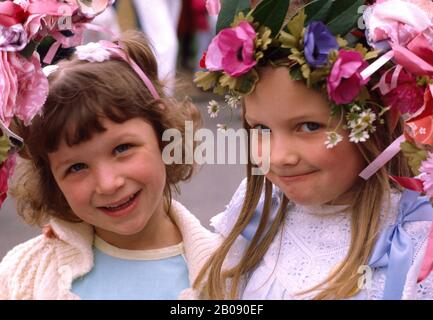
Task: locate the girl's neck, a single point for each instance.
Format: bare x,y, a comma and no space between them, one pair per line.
159,232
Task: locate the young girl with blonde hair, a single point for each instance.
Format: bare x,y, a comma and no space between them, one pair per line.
93,169
325,222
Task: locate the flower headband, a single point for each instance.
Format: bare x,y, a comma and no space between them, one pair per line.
24,24
105,50
324,45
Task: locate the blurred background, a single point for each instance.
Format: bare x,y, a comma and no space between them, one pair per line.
180,31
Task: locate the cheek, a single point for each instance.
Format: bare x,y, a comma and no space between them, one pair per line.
151,172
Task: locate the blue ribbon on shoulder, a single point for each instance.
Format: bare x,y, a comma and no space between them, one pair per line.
394,248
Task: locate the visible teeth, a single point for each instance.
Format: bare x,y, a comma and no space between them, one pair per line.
127,200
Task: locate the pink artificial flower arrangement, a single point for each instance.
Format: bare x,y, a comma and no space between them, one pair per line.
232,50
344,82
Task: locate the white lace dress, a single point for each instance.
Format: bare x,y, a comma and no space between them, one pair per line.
311,242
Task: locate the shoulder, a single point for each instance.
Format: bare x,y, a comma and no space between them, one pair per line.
199,242
224,221
31,269
20,265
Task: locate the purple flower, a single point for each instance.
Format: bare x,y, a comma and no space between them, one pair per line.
232,50
318,42
13,38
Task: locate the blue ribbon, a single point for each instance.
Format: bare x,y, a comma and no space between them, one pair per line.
394,248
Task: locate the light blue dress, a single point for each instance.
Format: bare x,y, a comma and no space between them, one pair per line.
120,274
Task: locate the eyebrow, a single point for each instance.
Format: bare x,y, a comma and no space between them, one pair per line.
294,119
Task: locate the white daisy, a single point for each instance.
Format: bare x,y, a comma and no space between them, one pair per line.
359,136
333,138
213,108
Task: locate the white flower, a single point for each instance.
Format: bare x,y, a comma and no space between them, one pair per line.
213,108
92,52
47,70
359,136
332,140
233,100
367,116
222,127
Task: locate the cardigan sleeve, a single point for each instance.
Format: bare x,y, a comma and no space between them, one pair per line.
18,268
224,221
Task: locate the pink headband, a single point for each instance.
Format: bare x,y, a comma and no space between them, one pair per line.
104,50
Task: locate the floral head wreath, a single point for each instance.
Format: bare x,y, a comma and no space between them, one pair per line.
349,50
324,45
24,24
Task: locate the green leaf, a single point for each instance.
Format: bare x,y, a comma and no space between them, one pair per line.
344,16
296,25
206,79
29,49
271,13
229,9
414,156
318,10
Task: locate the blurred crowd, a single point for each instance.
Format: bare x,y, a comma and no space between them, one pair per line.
179,30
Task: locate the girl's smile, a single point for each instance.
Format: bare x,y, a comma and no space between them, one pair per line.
123,207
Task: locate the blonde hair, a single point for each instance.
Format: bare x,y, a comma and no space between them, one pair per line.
81,95
367,202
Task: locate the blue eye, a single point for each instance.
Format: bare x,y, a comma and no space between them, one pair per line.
76,167
122,148
310,126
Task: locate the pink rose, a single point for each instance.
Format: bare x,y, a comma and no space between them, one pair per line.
407,97
23,87
6,171
345,81
232,50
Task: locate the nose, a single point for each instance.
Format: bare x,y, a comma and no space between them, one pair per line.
108,180
283,152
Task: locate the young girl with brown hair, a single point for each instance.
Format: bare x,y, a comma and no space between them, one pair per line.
93,169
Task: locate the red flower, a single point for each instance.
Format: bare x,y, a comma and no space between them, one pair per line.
203,61
407,97
11,14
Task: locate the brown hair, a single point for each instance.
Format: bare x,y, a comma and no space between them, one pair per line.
82,94
368,199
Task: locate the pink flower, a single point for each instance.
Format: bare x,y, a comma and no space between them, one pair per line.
395,20
23,87
95,7
232,50
345,81
417,58
11,14
407,97
6,171
426,176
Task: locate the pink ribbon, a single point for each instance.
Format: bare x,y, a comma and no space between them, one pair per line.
376,65
383,158
213,7
119,52
61,40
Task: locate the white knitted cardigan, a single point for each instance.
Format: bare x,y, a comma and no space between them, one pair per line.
44,268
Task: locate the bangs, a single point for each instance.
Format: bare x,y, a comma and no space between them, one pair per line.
76,106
